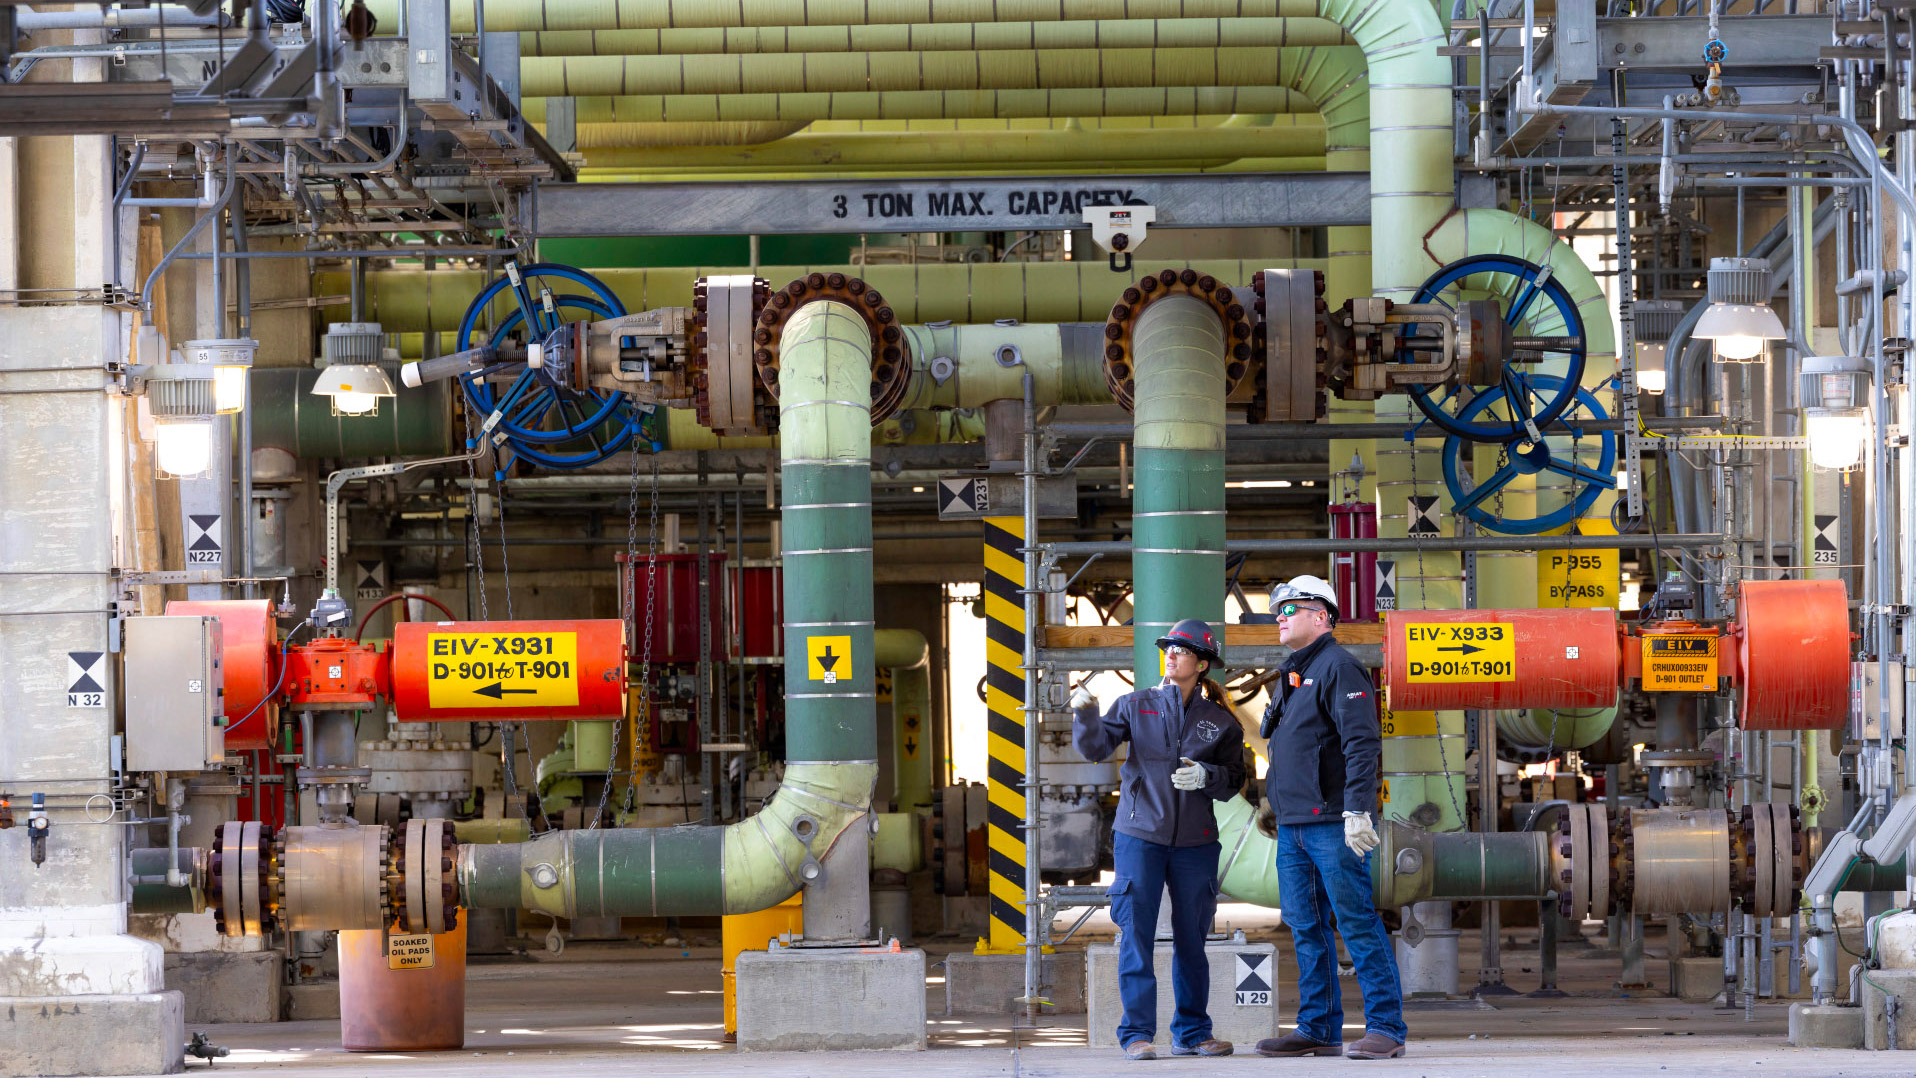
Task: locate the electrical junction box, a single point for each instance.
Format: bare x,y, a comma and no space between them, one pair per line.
175,696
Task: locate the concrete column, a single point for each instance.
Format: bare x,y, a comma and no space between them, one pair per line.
77,994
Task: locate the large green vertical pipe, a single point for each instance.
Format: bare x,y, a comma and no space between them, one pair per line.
1177,512
826,494
831,737
907,655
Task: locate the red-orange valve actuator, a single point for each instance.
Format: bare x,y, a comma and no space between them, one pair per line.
1452,660
333,673
450,671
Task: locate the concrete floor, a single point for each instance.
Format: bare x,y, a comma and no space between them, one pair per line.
629,1008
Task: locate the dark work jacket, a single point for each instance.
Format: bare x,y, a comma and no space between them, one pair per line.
1326,746
1160,729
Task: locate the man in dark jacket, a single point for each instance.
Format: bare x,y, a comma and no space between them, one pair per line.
1186,752
1325,753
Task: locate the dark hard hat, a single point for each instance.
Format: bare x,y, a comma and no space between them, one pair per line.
1193,633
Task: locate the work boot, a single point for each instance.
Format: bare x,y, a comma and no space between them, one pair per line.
1375,1046
1140,1049
1296,1044
1210,1046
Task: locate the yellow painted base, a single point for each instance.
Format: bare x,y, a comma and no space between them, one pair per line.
984,946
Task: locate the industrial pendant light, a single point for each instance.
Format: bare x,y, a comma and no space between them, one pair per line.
1739,318
349,354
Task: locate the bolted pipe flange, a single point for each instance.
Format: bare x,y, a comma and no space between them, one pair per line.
243,879
890,348
709,340
424,893
1288,336
1120,364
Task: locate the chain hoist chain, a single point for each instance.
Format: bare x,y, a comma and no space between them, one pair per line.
643,723
631,551
473,494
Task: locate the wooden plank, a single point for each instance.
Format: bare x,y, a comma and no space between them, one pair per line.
1119,636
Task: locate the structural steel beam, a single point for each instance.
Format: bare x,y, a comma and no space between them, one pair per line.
1294,200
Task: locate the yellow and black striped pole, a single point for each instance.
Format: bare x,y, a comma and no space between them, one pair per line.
1005,761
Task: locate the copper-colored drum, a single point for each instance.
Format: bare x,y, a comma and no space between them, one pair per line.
1792,641
1453,660
417,1009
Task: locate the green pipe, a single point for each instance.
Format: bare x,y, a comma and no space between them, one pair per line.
487,832
1410,864
908,656
525,15
288,415
592,746
1291,135
831,738
1177,522
1870,876
825,455
413,300
810,73
937,37
929,104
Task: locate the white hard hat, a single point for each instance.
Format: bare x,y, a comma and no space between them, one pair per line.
1305,587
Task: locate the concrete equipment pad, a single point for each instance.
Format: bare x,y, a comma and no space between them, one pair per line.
228,987
1241,1017
807,999
137,1034
1825,1026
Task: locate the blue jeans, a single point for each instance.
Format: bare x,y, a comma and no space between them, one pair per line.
1318,876
1143,870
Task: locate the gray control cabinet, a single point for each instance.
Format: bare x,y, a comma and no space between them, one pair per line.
175,699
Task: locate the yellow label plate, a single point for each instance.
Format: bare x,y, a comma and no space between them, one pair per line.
481,670
1577,578
409,951
1679,663
1451,652
828,658
1410,724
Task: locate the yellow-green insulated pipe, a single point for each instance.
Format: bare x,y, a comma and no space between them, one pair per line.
593,136
929,104
938,37
1177,508
1050,169
1066,363
1015,69
831,735
907,655
1291,134
525,15
413,300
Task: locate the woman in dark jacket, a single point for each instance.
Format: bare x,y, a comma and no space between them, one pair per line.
1186,752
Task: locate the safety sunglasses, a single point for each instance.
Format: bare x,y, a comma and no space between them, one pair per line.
1179,649
1289,610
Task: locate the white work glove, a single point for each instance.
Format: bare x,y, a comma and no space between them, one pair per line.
1081,699
1190,776
1359,835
